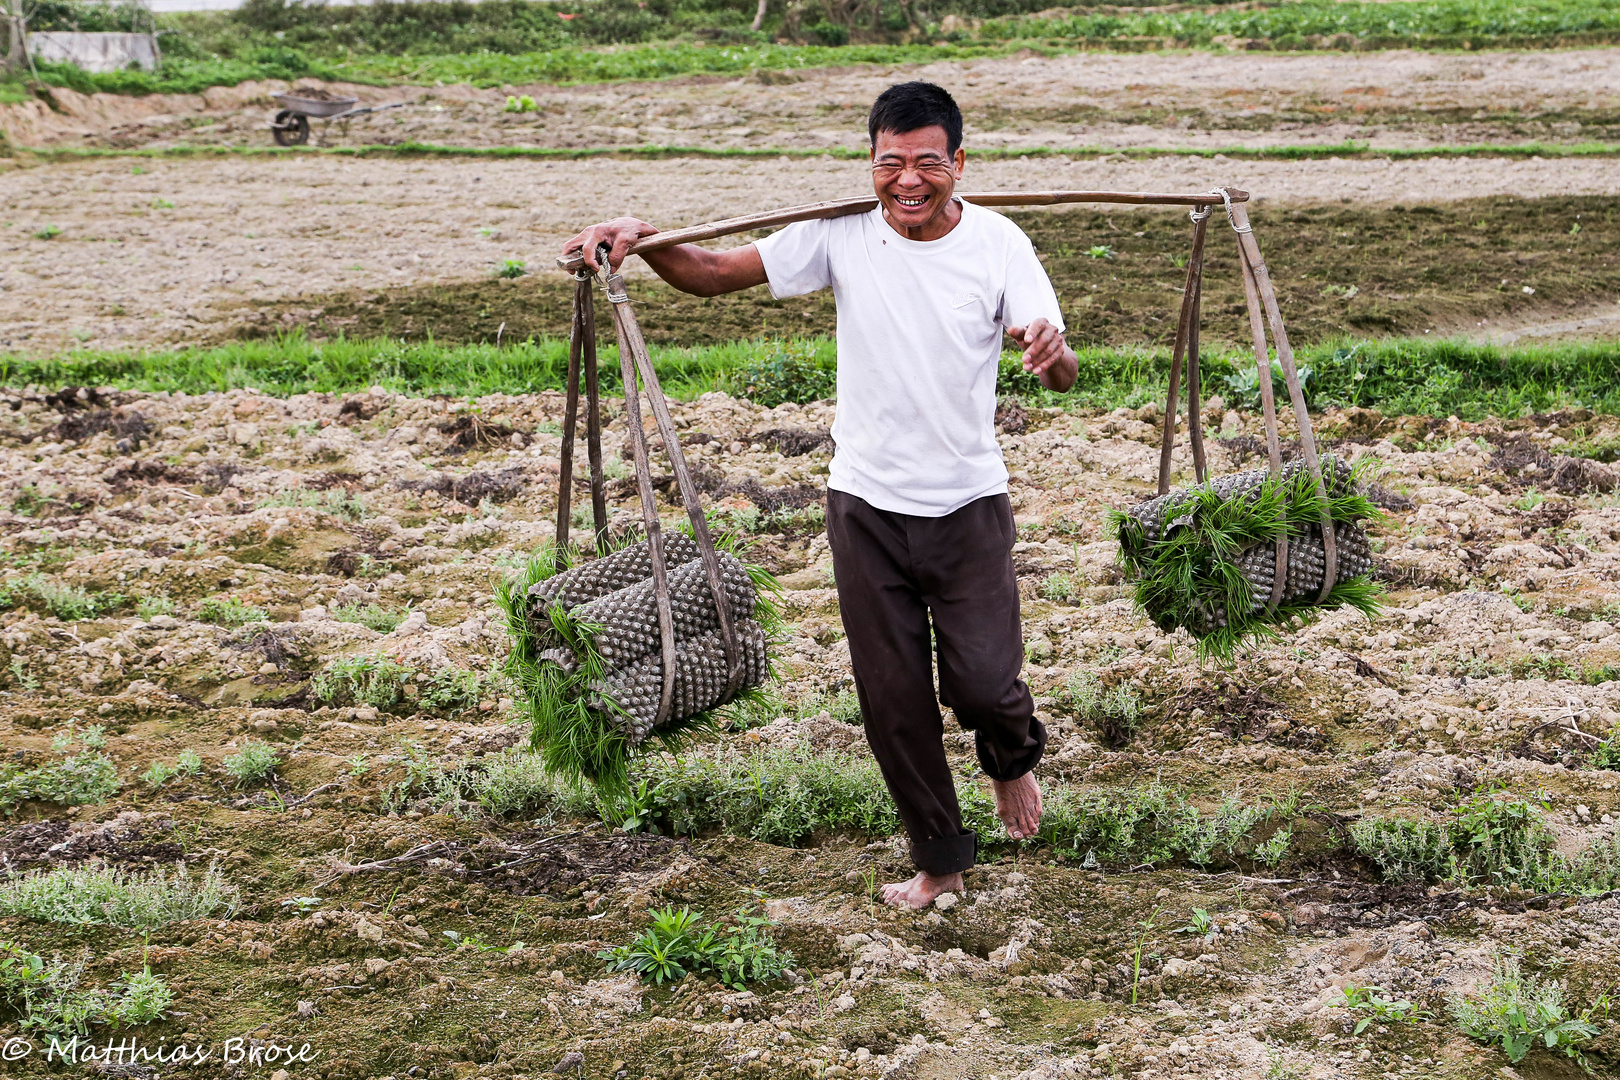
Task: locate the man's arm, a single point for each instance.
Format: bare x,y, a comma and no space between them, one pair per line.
1046,354
688,267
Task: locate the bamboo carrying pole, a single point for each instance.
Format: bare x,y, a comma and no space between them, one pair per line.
634,359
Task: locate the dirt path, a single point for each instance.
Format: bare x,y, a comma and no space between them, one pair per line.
1394,99
147,250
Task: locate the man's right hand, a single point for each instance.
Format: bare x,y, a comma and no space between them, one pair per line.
618,234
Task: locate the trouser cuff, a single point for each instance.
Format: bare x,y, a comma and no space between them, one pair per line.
994,761
947,855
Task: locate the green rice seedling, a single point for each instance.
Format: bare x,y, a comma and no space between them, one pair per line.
362,680
150,607
1518,1011
373,616
252,763
229,611
108,896
1191,577
581,732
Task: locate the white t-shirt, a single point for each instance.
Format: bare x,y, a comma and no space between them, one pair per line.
919,339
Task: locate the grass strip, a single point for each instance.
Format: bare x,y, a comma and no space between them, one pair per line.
233,47
1400,376
1297,152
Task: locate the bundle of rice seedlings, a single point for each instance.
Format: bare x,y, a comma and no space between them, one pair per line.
1204,557
587,653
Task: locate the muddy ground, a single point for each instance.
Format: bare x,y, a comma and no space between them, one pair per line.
1500,557
1199,99
175,251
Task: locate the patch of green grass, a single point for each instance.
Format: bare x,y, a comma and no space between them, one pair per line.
334,501
1519,1011
378,681
66,602
229,611
76,780
1400,376
1485,840
375,616
1117,712
150,607
253,762
108,896
736,951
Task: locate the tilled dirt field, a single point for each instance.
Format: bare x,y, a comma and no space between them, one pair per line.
160,252
1498,643
1199,99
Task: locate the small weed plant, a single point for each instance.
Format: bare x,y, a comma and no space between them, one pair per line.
230,611
1118,712
252,763
76,780
67,602
798,371
334,501
1377,1007
737,950
373,616
47,996
150,607
1518,1011
378,681
512,268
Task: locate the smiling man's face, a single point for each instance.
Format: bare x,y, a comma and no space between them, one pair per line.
914,174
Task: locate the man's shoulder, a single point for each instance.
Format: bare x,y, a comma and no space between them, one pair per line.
992,222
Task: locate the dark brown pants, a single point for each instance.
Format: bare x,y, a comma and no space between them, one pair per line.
895,571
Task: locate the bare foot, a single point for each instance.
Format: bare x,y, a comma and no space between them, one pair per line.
1018,805
921,890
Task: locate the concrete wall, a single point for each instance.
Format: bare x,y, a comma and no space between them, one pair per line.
95,52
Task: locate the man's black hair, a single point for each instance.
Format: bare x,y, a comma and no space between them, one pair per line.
909,106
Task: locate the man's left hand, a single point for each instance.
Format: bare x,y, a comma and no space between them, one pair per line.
1046,355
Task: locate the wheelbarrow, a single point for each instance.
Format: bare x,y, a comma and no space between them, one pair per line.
291,125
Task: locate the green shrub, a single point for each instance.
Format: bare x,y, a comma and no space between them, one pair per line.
1117,712
189,763
1519,1011
512,268
378,681
737,951
230,611
798,371
76,780
108,896
375,616
253,762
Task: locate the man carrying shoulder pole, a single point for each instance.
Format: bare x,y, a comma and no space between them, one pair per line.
918,518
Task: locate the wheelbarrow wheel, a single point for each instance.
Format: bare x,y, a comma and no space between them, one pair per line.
291,128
